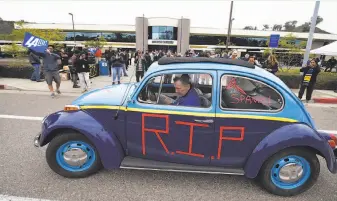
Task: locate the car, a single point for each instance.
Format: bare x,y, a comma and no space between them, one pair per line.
243,120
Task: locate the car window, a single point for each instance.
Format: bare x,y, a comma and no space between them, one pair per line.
248,94
190,90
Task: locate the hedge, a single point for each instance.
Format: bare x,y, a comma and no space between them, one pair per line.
292,78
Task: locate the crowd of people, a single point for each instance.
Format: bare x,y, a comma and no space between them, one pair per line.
119,62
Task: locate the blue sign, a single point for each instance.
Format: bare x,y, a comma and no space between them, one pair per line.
35,43
274,39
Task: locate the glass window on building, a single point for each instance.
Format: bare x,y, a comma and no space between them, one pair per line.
162,33
234,40
109,36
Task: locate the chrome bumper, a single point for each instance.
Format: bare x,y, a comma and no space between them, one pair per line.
37,140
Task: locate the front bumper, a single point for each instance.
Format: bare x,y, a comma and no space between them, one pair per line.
37,140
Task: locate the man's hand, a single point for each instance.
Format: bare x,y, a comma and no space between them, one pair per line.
48,51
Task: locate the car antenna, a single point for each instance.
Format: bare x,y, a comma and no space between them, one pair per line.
126,92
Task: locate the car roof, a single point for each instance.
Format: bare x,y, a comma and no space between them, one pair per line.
203,63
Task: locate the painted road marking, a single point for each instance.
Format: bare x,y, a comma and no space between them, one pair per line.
4,116
15,198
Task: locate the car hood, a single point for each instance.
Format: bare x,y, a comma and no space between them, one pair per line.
110,95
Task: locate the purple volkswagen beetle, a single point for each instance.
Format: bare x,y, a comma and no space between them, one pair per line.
197,115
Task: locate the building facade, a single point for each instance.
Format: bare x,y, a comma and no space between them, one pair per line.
172,34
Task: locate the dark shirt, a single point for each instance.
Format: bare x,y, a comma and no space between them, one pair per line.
310,74
34,59
190,99
82,65
118,61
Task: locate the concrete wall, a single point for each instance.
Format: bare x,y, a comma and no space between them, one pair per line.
141,33
183,35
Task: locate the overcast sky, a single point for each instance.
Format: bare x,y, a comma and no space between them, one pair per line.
202,13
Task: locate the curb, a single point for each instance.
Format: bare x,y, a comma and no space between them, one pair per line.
7,87
325,100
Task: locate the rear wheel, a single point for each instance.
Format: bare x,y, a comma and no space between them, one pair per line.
290,172
72,155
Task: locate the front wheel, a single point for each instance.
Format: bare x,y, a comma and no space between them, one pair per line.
290,172
72,155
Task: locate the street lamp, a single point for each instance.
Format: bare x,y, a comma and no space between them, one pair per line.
229,25
72,18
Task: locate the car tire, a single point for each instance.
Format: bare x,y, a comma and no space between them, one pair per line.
63,147
302,163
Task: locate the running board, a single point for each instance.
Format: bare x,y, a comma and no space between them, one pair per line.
145,164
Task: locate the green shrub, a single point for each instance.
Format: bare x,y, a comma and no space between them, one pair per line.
18,71
325,80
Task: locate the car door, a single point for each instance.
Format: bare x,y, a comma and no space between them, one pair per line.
247,111
171,133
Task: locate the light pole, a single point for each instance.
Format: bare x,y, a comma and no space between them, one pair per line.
144,34
311,34
181,33
72,18
229,25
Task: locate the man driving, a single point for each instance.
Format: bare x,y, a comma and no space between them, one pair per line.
187,95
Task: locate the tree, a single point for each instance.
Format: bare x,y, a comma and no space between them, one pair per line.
14,49
1,19
265,27
319,20
99,42
277,27
248,28
51,35
293,53
290,25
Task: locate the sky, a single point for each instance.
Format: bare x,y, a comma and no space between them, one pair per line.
201,13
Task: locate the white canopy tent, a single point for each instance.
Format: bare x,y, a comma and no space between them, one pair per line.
330,50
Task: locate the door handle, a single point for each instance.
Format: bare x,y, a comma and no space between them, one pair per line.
207,121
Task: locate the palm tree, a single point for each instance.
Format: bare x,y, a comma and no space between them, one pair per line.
265,27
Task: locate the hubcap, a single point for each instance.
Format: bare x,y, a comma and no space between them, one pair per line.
291,172
75,157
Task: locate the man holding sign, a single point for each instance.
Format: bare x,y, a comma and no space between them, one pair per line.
41,48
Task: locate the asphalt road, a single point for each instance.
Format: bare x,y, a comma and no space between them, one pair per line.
25,173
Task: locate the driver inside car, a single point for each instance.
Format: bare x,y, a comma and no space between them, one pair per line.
187,95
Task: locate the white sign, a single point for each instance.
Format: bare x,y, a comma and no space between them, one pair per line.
162,42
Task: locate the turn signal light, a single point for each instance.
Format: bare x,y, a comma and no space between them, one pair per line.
333,141
71,108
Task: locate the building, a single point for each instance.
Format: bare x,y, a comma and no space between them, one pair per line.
174,34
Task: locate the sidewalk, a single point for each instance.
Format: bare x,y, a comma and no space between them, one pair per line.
66,86
319,96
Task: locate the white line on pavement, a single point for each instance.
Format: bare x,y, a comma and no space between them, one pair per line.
4,116
15,198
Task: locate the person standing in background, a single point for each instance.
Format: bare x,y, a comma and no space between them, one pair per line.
272,64
98,55
130,57
34,60
82,69
72,69
140,65
117,67
108,55
309,79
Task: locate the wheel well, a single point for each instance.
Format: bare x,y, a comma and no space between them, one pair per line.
57,132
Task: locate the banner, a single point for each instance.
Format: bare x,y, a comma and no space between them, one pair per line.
35,43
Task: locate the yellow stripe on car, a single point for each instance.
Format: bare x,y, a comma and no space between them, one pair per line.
240,116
